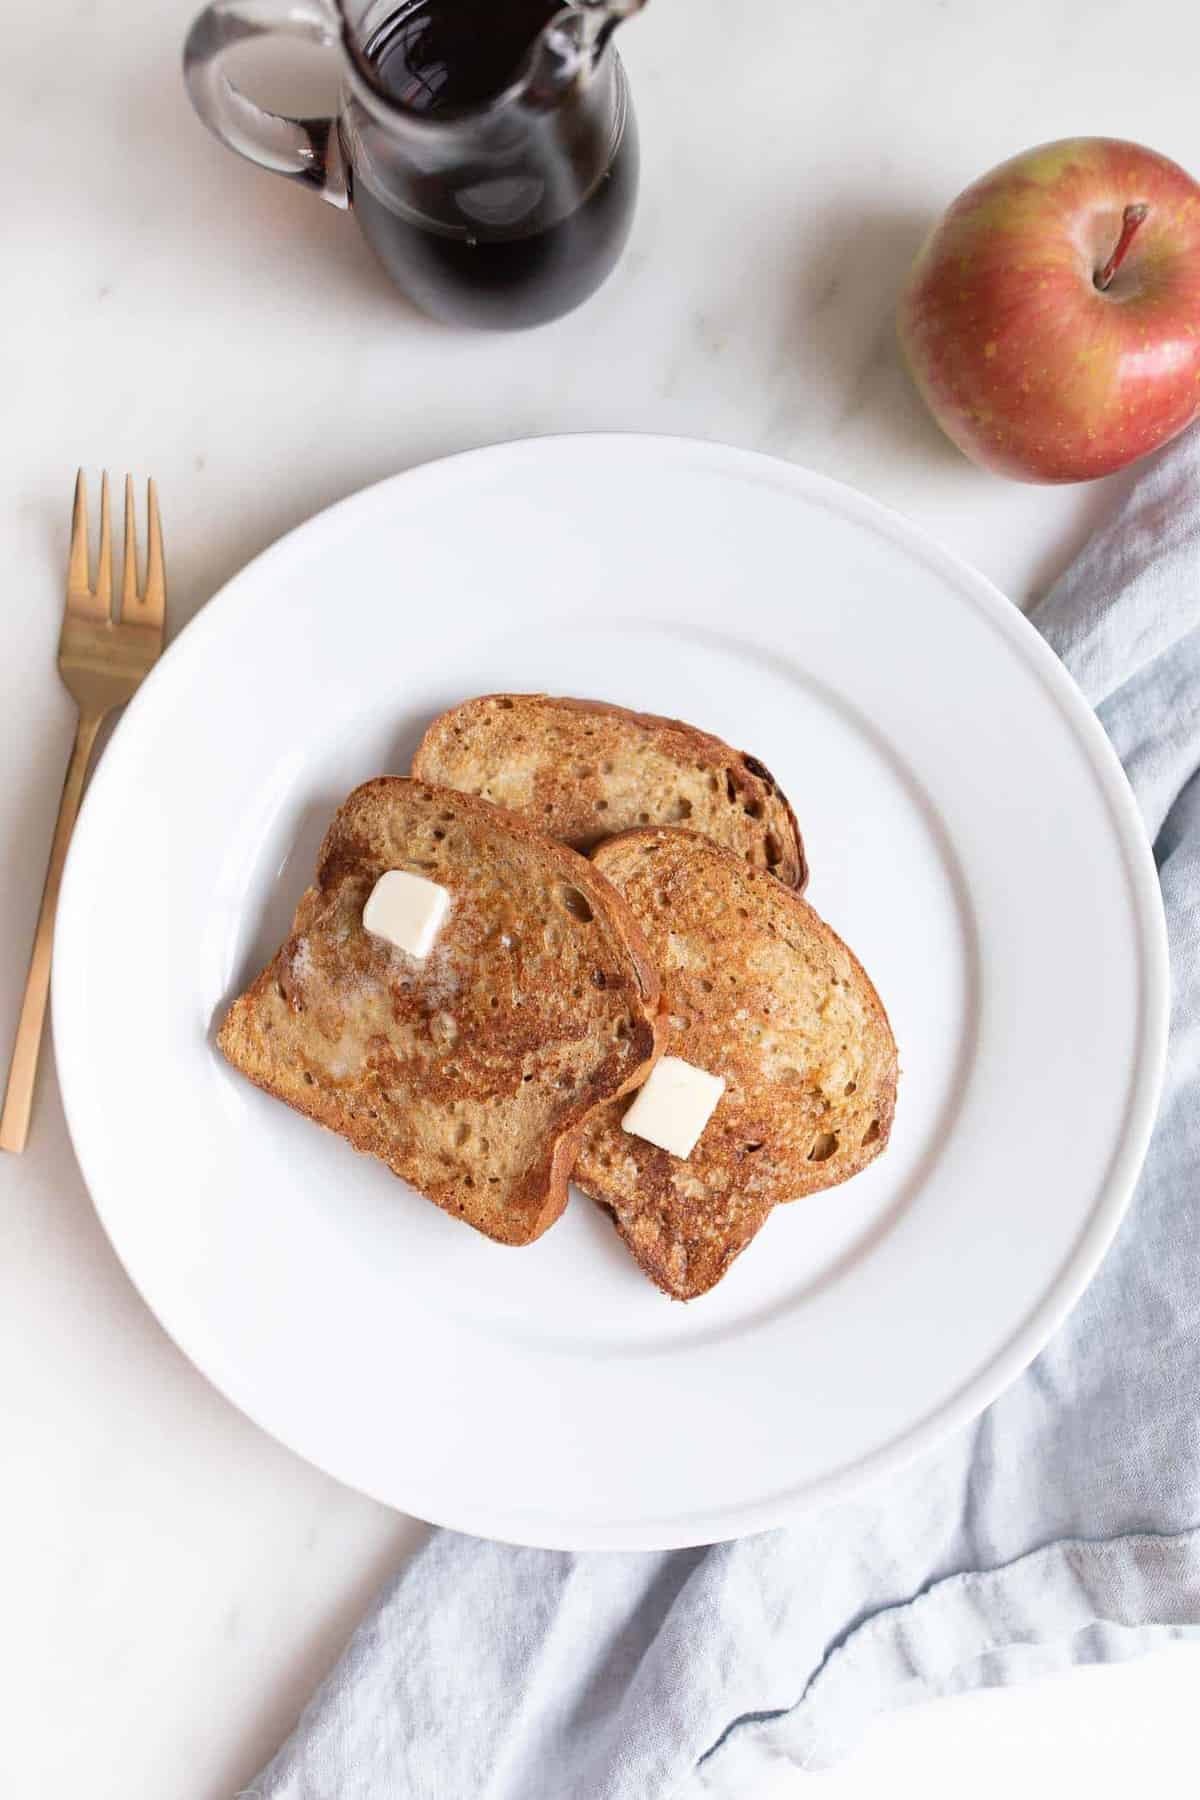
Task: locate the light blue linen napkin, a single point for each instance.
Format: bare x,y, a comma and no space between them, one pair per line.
1062,1527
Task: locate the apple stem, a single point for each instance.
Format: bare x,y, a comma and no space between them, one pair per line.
1131,220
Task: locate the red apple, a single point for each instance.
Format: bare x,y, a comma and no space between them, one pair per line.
1052,320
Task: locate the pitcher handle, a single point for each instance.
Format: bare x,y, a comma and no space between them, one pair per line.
304,150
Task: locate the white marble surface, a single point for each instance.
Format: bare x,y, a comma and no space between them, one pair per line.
174,1582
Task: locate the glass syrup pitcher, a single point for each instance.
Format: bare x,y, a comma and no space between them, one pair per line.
487,147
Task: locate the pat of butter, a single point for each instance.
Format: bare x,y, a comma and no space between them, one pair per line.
407,910
674,1105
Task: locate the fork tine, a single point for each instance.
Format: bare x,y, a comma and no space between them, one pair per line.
154,597
77,567
129,593
83,603
103,589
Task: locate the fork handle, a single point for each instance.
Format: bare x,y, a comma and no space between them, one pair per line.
18,1101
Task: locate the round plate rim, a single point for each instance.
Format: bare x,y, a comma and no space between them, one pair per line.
1028,1337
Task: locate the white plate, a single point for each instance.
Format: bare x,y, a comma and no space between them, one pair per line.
971,835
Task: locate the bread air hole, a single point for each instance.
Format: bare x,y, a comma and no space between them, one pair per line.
872,1132
774,850
505,705
851,1087
462,1134
752,808
573,902
601,806
824,1146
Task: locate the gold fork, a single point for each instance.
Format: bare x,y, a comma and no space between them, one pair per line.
102,661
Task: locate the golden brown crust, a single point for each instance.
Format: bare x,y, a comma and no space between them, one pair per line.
761,991
585,770
470,1074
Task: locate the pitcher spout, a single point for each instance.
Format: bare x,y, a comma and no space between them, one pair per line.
572,43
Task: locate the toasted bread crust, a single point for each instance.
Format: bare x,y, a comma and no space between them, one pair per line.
761,991
584,770
470,1074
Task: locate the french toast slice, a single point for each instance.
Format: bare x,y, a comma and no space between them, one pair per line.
470,1073
762,992
584,770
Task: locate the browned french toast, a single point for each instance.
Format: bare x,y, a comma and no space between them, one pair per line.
583,770
761,992
470,1073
